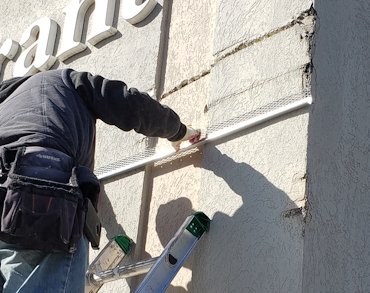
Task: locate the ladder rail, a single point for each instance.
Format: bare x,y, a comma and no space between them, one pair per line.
160,270
122,272
175,254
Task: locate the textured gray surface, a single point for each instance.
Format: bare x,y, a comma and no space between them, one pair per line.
337,246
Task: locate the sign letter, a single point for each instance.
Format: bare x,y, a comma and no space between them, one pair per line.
135,13
38,41
7,51
102,21
72,30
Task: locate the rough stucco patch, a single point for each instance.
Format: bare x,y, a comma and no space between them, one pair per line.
238,20
246,185
190,39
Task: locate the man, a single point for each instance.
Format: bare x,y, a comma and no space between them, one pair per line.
47,136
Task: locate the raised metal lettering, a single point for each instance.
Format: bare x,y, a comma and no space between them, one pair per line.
72,30
102,23
38,41
134,13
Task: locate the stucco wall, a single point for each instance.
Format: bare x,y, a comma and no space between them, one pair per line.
337,246
211,61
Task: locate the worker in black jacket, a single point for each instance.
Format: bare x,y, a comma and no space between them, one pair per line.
47,136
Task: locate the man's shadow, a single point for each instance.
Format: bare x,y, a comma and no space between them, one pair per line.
258,238
170,216
108,217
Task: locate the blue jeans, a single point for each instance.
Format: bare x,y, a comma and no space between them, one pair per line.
31,271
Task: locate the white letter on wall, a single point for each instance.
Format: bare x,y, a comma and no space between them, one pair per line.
102,21
38,41
7,51
135,13
72,31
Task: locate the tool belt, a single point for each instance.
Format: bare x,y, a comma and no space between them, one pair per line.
41,203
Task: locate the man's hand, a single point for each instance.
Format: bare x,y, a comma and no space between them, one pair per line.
192,135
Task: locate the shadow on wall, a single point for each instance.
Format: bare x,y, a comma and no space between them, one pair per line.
108,217
177,211
256,249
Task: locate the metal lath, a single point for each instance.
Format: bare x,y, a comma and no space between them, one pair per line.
259,111
214,132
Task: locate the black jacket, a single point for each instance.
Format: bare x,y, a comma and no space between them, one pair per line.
59,108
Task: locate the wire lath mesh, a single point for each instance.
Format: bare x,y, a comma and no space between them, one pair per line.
125,162
152,155
259,111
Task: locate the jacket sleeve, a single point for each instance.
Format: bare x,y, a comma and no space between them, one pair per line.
127,108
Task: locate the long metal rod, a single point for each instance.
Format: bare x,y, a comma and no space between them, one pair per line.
126,271
217,135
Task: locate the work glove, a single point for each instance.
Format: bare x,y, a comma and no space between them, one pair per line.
192,135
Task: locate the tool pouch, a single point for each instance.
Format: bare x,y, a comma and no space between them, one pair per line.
43,207
90,187
92,228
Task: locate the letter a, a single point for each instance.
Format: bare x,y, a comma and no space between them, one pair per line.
38,41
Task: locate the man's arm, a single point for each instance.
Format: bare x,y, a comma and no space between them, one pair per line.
127,108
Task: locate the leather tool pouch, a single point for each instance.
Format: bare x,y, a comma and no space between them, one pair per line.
43,207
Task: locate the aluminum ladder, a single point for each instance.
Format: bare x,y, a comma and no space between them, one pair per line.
160,270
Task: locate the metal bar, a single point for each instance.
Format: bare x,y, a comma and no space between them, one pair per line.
217,135
126,271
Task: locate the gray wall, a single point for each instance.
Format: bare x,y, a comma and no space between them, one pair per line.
337,246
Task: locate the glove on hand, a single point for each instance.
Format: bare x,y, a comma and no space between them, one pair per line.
192,135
